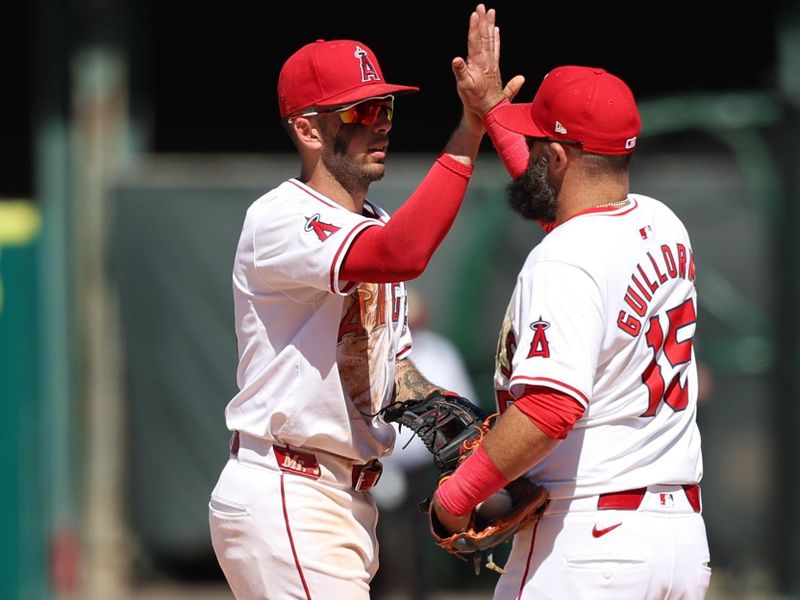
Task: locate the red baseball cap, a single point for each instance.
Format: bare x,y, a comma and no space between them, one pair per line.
578,104
332,73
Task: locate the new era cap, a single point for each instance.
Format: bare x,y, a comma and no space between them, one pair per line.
578,104
332,73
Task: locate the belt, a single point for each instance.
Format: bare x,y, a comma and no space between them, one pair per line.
319,465
657,498
632,499
365,477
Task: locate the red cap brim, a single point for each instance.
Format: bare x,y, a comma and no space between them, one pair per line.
517,118
364,92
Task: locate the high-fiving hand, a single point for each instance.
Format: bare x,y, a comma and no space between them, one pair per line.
478,79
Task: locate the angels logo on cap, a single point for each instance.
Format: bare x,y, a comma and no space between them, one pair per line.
368,72
323,74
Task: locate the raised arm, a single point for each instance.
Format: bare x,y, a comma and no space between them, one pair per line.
401,250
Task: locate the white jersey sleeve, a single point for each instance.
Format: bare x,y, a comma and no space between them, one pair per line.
299,239
564,356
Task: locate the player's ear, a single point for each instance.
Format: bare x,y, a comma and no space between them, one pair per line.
306,132
558,157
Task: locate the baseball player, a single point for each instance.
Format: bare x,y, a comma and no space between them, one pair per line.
321,324
595,376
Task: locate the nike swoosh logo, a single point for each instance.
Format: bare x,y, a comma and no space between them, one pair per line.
601,532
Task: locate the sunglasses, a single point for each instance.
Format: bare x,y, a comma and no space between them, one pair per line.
365,112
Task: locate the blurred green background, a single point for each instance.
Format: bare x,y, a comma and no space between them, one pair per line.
117,350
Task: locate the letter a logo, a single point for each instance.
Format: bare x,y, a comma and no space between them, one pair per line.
539,346
368,72
323,230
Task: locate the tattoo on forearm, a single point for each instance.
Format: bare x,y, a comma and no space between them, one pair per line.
409,382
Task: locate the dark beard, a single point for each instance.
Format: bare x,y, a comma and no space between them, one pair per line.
531,196
340,164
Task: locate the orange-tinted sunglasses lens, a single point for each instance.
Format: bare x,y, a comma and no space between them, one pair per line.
368,111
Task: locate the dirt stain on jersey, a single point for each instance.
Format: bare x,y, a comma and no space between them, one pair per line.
363,345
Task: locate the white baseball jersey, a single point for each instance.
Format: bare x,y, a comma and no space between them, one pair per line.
604,309
316,355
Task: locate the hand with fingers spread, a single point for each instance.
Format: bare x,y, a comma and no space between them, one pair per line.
478,79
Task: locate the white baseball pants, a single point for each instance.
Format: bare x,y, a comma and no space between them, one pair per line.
281,536
658,551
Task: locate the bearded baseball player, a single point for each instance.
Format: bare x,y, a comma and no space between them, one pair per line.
321,324
595,376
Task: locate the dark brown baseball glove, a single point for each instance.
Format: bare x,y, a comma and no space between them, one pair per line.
448,424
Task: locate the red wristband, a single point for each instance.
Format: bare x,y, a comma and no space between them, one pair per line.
474,480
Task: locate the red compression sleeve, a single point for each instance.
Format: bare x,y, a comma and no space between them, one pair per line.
473,481
510,146
401,249
552,411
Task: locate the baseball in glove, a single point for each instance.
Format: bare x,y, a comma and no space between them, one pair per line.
451,427
493,522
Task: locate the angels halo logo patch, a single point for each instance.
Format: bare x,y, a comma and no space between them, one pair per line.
540,345
323,230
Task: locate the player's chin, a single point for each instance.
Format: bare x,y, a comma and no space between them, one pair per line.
374,171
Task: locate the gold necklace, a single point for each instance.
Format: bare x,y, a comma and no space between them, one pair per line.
622,202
